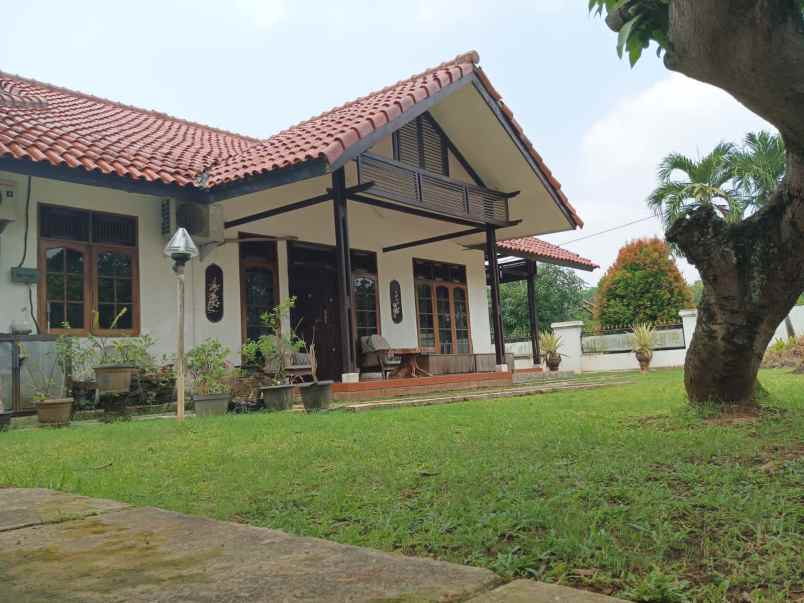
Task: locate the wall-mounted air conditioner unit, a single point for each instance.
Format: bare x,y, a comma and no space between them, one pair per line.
203,222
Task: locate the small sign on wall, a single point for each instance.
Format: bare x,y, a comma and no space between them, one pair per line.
213,293
396,302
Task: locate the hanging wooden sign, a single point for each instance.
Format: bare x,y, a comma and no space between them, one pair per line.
213,293
396,302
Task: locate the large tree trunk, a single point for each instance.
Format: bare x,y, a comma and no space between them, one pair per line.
753,272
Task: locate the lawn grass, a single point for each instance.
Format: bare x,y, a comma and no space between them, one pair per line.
620,490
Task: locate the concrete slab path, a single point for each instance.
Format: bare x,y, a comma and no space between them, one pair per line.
73,549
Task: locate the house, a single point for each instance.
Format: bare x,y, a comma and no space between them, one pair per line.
378,216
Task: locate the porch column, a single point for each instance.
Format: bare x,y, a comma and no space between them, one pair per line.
496,314
343,266
532,315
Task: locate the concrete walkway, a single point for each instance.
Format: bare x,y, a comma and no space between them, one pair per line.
72,549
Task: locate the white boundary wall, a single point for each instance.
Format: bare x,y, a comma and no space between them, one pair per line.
573,359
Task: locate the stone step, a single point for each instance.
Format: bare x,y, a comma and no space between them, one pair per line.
483,395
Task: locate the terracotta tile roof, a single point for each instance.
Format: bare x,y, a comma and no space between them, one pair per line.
42,122
46,123
543,251
328,135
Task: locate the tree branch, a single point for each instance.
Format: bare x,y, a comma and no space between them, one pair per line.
753,49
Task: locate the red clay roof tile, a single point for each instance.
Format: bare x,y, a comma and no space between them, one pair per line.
546,252
42,122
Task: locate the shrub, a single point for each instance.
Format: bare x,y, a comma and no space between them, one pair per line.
643,285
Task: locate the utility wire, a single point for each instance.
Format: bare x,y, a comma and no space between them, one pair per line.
608,230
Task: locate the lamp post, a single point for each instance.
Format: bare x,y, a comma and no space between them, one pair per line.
181,250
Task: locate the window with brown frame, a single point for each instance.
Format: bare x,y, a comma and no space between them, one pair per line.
258,284
366,305
88,267
442,307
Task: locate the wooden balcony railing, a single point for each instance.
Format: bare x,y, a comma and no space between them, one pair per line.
419,188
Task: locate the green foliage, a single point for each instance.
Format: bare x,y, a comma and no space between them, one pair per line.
560,295
733,179
549,342
643,285
697,292
638,23
275,348
208,367
658,587
643,338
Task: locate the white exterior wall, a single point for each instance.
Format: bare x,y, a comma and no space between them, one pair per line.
371,229
626,361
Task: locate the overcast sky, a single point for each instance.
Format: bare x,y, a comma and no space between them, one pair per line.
258,66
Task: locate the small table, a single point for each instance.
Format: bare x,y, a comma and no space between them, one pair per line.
410,365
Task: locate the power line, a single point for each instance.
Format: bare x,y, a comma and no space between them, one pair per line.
608,230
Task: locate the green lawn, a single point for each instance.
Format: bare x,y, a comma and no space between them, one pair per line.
620,490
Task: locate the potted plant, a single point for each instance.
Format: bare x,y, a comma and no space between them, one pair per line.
549,343
643,342
318,394
112,373
48,378
274,351
211,378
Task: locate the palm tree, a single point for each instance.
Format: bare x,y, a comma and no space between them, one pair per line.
758,167
703,181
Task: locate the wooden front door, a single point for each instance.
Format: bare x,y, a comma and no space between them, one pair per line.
315,317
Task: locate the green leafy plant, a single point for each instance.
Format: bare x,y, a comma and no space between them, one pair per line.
209,370
658,587
643,338
274,349
549,342
49,373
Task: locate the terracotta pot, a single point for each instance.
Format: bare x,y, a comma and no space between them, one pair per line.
644,357
54,412
212,405
114,379
553,360
317,395
277,397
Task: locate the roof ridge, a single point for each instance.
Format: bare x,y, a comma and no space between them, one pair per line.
471,56
153,112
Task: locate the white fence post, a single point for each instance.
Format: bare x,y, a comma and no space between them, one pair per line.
570,349
688,320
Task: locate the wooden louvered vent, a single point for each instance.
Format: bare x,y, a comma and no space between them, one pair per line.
422,144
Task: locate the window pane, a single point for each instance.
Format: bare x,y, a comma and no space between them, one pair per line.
55,286
55,259
444,319
55,315
126,320
424,294
259,294
123,288
75,288
120,230
106,290
75,262
106,263
64,223
106,315
122,265
365,288
75,316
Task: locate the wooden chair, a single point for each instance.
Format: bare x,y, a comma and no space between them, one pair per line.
377,355
297,365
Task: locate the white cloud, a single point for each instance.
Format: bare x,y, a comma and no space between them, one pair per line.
620,152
